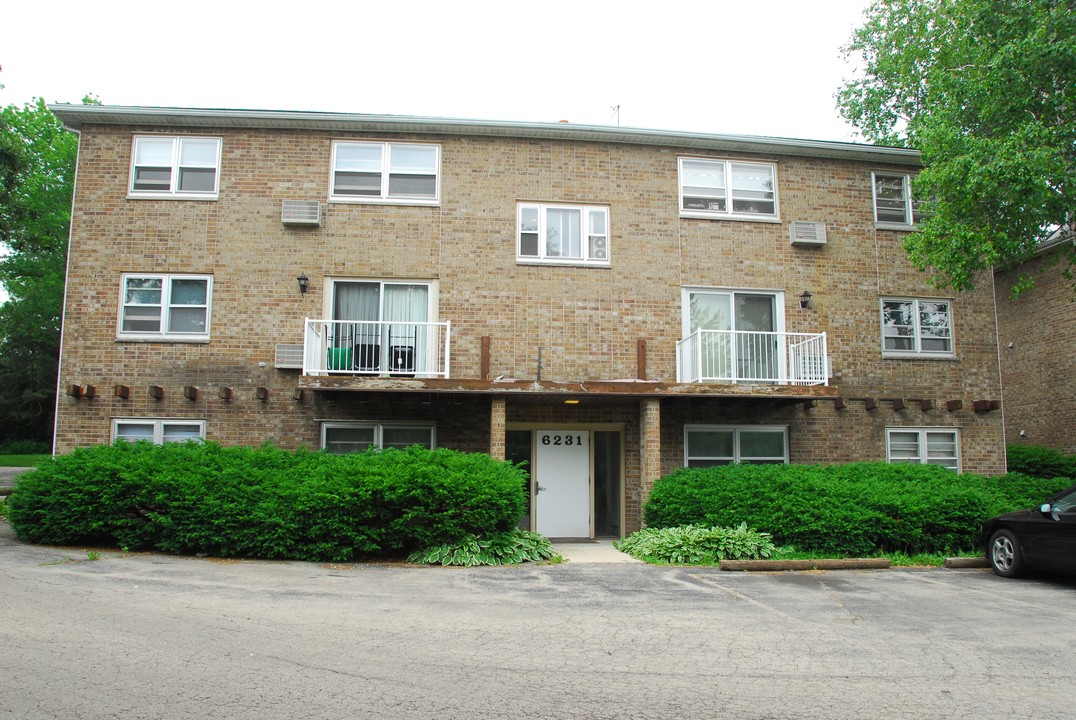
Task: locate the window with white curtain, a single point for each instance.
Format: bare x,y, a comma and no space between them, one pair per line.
569,234
383,326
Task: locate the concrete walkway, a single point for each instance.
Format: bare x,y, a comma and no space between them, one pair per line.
598,551
7,478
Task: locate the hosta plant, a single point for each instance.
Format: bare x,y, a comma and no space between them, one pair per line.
506,548
697,544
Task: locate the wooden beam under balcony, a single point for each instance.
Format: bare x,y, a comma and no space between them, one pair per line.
612,388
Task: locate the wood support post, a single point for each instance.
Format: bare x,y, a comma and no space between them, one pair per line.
483,368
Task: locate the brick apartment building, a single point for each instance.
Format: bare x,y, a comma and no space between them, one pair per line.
1037,333
605,303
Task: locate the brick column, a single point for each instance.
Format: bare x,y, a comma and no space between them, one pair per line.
649,447
496,428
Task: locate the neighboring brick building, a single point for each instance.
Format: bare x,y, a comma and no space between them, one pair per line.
606,303
1037,334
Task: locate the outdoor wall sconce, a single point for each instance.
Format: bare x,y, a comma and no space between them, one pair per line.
805,299
304,283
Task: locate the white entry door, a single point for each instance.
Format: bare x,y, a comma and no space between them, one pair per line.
562,495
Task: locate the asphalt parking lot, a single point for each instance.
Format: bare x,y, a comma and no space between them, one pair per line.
155,636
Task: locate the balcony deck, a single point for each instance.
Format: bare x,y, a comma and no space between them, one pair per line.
590,388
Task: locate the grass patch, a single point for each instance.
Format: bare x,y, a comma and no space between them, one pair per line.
22,460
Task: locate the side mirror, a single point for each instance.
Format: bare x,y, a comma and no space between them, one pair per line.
1048,509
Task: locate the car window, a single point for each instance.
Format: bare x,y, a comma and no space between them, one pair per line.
1065,503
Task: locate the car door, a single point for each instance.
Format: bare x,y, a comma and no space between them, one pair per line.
1054,534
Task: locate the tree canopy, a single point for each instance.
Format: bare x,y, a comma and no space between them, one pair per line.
986,91
37,168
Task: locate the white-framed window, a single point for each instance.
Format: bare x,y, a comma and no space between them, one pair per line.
919,327
894,206
730,189
165,307
175,167
349,437
395,173
570,234
156,430
928,446
708,445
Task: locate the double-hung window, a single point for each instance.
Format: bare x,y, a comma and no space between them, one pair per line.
918,327
708,445
569,234
158,431
894,206
928,446
175,167
397,173
349,437
165,307
728,189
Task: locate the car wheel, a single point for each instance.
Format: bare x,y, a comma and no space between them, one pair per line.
1005,555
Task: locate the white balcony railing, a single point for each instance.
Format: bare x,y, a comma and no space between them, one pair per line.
733,356
380,349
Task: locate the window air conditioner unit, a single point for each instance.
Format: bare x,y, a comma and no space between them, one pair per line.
301,212
807,234
289,357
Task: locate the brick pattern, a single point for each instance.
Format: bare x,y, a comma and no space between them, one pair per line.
585,321
1038,365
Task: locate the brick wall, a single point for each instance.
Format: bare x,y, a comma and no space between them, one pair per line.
585,320
1037,337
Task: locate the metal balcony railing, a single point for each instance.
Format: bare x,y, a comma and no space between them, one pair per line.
380,349
733,356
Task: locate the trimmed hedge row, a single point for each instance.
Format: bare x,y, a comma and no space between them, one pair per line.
1040,462
853,509
265,502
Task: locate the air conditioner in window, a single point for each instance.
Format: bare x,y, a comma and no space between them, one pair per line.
300,212
807,234
599,248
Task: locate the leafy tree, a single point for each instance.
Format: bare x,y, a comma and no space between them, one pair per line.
37,164
986,90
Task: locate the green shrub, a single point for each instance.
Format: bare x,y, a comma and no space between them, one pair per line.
24,447
1040,462
265,502
845,510
696,545
505,548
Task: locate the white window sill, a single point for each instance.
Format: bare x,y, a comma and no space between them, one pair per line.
891,355
562,263
902,227
702,215
384,201
172,196
201,339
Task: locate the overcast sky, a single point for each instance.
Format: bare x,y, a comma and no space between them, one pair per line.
768,67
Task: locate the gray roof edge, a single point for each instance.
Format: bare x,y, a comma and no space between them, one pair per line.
77,116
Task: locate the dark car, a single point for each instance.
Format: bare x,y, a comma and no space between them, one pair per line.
1043,538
